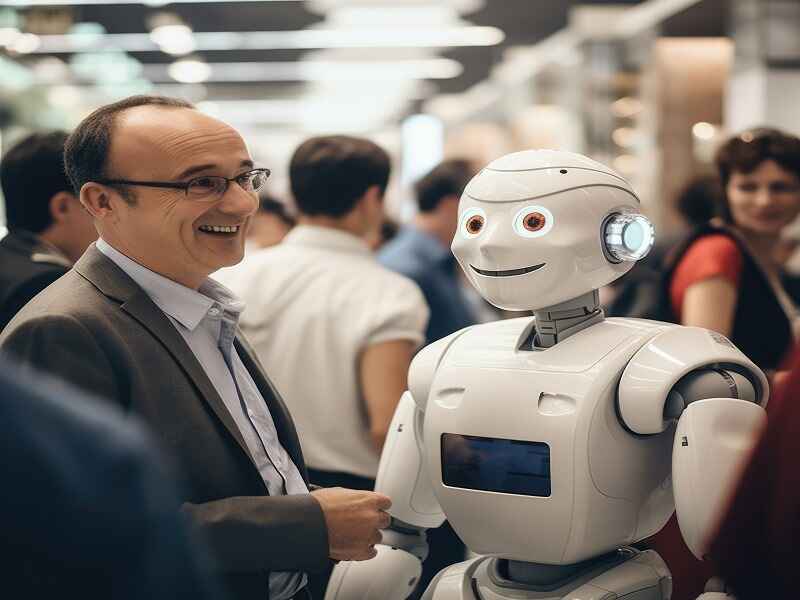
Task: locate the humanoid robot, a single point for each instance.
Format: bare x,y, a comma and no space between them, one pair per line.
553,442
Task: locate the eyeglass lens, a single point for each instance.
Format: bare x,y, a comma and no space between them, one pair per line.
212,185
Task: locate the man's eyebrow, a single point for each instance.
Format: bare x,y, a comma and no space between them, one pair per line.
208,167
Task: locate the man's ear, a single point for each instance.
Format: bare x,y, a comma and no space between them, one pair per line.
60,205
97,200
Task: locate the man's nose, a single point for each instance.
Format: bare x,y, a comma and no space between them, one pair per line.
238,201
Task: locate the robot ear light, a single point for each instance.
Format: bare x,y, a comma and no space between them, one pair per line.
627,237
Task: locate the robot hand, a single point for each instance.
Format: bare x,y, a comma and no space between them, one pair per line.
391,575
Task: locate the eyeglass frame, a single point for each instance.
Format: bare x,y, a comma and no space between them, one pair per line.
185,185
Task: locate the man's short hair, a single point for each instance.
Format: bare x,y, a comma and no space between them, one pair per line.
87,148
329,174
448,178
31,173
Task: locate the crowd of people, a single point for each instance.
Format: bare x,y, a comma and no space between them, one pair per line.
199,381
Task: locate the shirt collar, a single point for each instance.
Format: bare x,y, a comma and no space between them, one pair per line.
187,306
326,237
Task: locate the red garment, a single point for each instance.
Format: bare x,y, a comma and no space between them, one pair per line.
756,547
710,256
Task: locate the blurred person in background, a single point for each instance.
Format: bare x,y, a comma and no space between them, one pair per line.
639,293
336,329
270,224
90,510
725,278
139,323
48,229
421,249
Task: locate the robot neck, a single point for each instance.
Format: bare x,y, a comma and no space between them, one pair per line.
556,323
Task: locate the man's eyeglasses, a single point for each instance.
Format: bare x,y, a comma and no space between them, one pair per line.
203,188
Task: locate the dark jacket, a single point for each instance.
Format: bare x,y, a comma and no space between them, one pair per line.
71,531
26,268
96,328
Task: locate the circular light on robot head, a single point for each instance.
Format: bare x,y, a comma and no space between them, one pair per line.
533,221
472,222
628,237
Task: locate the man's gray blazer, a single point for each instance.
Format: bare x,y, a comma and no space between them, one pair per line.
99,330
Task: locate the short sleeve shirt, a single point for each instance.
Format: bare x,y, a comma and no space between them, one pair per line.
315,302
710,256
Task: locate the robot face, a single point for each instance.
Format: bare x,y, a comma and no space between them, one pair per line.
529,238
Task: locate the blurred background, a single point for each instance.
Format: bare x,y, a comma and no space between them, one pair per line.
649,87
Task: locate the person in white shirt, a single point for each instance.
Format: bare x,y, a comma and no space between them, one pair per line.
335,329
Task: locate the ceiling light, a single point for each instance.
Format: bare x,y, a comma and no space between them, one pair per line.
449,37
28,3
188,70
25,43
626,107
623,136
433,68
174,39
704,131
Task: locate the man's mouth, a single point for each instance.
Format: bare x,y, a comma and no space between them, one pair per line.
220,229
509,273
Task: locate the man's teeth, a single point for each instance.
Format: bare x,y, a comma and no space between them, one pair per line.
220,228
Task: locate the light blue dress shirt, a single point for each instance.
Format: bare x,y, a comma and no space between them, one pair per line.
207,320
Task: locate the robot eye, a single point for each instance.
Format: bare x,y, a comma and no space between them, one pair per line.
533,221
473,222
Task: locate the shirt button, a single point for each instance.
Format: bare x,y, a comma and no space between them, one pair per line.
213,311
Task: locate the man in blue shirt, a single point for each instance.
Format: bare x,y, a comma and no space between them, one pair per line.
421,250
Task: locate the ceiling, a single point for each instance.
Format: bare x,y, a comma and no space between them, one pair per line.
522,22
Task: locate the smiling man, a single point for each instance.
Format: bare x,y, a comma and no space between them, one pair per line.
138,322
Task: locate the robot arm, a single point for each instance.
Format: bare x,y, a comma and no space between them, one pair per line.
717,395
394,572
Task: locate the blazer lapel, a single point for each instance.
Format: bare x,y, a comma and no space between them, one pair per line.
115,283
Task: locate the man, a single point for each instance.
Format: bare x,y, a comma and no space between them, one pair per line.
336,328
73,532
421,250
48,227
137,321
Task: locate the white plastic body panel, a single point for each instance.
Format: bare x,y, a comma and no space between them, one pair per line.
608,487
661,363
391,575
402,472
713,442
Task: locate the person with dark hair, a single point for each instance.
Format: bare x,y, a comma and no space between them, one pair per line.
727,278
48,227
139,323
270,224
421,250
336,328
91,509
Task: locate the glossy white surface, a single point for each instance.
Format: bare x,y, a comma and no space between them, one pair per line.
391,575
658,366
713,443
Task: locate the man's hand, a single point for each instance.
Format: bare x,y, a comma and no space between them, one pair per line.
354,519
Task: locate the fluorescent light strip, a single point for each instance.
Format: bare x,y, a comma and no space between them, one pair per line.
155,3
435,68
281,40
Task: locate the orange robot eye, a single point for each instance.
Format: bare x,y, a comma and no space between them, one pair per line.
475,224
534,221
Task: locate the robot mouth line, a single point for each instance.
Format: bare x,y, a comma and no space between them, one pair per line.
509,273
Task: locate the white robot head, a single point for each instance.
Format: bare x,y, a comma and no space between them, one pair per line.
541,227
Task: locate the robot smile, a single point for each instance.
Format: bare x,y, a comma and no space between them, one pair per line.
509,273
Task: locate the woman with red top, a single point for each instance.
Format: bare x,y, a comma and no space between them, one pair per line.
725,277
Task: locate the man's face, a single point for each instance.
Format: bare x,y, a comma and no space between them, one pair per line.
164,229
